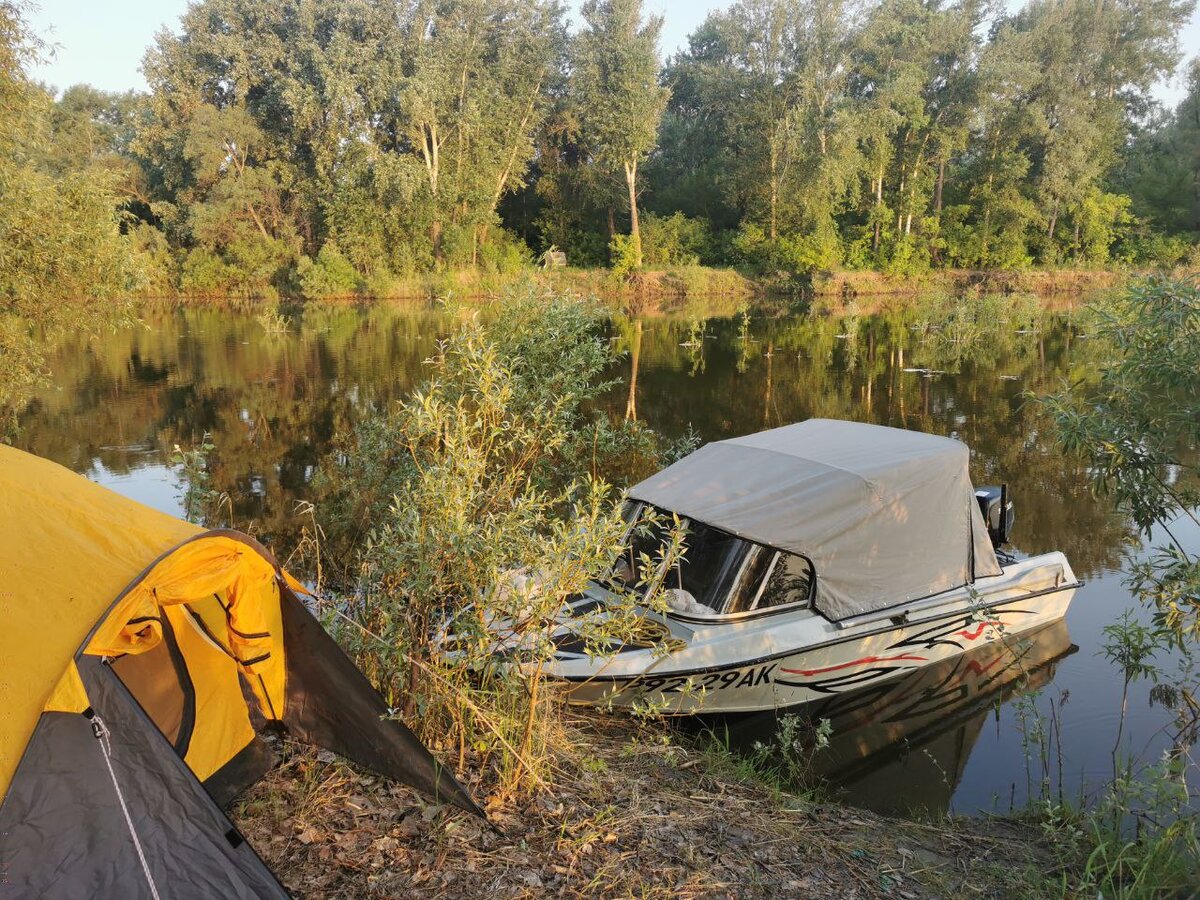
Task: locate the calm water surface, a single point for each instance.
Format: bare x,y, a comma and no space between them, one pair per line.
949,739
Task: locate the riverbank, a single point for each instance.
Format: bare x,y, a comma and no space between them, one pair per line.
1043,282
632,813
122,402
663,290
670,290
637,291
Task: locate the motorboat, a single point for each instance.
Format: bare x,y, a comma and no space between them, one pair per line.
818,558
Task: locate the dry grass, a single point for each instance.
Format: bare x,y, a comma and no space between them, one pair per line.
645,290
631,815
649,292
1044,282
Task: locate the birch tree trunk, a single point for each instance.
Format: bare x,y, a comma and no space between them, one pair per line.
431,153
635,230
878,205
941,183
774,226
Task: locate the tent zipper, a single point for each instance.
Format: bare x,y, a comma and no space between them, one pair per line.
104,739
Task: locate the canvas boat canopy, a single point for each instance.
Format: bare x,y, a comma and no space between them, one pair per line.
885,515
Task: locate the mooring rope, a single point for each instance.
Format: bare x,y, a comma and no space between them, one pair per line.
103,738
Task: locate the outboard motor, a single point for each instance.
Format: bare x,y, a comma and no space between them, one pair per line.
997,511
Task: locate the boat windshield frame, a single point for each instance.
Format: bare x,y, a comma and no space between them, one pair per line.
753,556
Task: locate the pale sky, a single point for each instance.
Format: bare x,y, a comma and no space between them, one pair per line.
101,42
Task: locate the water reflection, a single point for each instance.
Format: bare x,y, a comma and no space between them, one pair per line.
902,747
274,405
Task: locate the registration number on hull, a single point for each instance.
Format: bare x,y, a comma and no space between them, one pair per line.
713,681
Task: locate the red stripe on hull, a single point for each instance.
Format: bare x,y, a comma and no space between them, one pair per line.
971,636
857,662
976,669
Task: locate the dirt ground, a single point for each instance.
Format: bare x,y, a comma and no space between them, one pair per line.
629,816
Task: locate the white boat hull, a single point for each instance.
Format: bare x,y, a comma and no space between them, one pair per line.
771,662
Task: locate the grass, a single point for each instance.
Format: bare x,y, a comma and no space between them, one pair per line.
1102,854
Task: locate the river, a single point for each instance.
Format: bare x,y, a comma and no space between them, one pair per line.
964,739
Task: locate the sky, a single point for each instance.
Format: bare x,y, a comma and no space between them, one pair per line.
101,42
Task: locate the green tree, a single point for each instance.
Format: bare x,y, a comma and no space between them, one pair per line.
230,141
1095,72
989,220
805,134
571,199
762,87
63,261
1162,174
830,162
473,80
697,169
742,68
915,77
615,83
393,129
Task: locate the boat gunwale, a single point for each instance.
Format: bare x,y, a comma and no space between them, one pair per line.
846,638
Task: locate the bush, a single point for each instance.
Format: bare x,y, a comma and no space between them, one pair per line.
206,274
622,252
909,256
404,262
249,267
1143,247
585,249
154,258
674,240
792,254
478,507
858,254
1136,428
1101,219
1005,245
380,284
459,247
331,275
750,248
503,253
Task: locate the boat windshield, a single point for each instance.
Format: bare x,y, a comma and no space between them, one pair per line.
718,573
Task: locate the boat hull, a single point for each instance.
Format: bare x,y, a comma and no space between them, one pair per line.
843,663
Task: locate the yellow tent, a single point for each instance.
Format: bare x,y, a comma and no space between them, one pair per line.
115,616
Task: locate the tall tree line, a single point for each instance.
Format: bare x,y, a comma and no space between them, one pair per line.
332,147
904,134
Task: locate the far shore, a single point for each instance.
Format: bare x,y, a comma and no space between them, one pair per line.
666,290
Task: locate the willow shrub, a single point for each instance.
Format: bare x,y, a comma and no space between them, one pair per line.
1138,426
330,275
64,267
482,499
